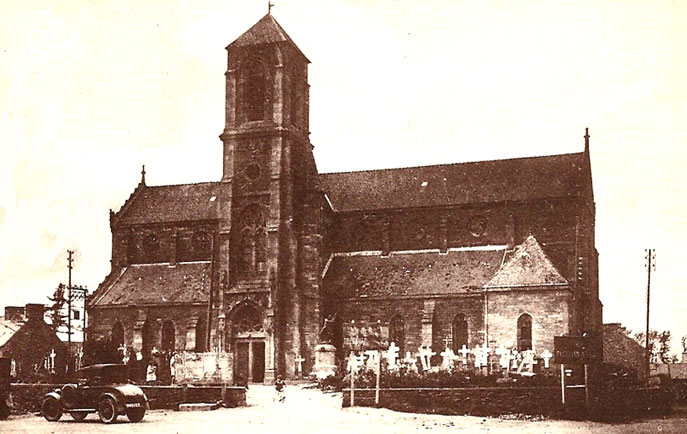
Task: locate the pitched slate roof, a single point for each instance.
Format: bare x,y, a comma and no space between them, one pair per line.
411,273
7,330
528,265
158,284
266,31
171,203
454,184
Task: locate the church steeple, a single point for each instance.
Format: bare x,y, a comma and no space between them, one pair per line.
267,175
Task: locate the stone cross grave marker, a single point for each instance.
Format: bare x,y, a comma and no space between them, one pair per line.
484,355
527,362
372,356
464,351
354,363
299,363
425,357
52,360
411,361
546,355
447,359
477,352
515,360
391,355
79,358
504,356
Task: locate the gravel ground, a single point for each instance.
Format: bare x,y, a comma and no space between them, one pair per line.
312,411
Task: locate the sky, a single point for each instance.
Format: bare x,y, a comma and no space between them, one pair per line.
91,90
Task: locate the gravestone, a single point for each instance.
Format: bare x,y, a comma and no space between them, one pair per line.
391,355
546,356
411,361
447,359
426,354
464,351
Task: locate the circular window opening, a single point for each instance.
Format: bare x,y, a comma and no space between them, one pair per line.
477,226
253,171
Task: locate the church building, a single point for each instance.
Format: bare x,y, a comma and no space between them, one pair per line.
261,263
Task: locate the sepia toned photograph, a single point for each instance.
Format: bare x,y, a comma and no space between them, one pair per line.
343,216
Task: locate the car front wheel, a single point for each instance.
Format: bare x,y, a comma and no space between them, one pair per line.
135,414
107,410
51,409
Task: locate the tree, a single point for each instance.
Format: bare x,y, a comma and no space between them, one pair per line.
57,312
659,345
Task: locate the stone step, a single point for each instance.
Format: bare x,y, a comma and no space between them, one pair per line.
199,406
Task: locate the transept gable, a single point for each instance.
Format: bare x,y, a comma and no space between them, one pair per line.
527,266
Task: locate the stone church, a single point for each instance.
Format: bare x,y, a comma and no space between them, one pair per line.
254,265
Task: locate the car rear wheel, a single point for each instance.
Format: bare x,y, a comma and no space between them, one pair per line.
107,410
136,414
78,415
51,409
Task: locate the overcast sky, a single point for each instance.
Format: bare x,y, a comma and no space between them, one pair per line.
90,90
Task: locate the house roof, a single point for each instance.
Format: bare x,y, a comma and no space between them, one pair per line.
7,330
185,282
266,31
411,273
527,265
171,203
454,184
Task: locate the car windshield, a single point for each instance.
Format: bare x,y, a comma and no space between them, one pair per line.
104,374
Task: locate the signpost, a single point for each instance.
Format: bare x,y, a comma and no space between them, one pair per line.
579,350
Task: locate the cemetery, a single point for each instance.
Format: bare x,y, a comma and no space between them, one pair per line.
483,381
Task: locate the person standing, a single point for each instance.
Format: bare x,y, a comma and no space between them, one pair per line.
280,386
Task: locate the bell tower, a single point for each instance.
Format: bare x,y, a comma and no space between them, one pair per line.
268,181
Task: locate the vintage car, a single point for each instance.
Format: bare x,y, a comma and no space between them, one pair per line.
103,388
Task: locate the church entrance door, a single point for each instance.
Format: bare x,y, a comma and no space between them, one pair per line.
249,361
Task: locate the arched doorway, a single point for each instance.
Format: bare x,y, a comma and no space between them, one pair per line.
201,336
248,343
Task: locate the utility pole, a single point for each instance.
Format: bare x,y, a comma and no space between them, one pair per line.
70,261
650,263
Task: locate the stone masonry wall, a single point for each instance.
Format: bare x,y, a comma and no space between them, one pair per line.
548,308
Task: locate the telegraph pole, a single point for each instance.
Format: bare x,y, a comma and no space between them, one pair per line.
70,261
650,263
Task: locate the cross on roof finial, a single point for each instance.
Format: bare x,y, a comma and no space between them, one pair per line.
143,174
270,5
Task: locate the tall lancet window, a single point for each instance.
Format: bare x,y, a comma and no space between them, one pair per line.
397,334
255,93
524,332
459,332
253,242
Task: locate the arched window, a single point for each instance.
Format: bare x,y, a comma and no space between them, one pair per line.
246,321
459,332
524,332
148,333
201,336
255,82
168,336
253,241
397,334
118,334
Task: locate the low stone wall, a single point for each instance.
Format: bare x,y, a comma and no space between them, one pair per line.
28,397
605,405
487,401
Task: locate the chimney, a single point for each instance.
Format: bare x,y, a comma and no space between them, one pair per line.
34,312
14,313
